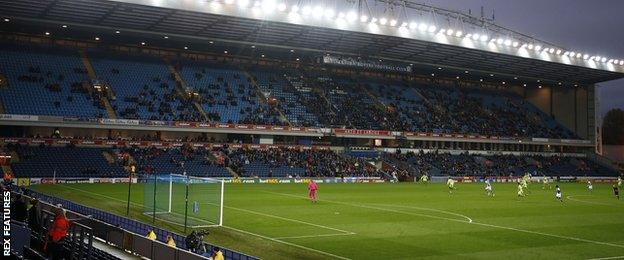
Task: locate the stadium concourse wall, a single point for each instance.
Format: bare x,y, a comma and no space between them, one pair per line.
223,128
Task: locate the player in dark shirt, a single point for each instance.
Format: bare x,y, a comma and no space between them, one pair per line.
616,191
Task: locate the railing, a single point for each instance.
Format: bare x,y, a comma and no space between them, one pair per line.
129,234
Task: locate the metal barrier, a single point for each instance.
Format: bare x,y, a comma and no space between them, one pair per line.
129,234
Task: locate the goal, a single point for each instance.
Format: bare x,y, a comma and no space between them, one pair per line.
183,200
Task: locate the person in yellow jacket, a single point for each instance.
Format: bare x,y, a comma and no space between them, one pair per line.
170,241
151,235
217,254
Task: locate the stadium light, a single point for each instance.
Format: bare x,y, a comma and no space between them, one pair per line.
413,25
318,12
186,47
143,43
294,9
64,26
442,31
622,62
559,52
585,57
373,20
363,18
47,33
475,36
281,7
432,28
538,47
307,10
459,34
508,42
500,41
329,13
243,3
229,2
484,38
603,59
449,32
530,46
515,44
393,22
117,32
551,50
404,24
351,16
383,21
422,27
97,38
567,53
7,20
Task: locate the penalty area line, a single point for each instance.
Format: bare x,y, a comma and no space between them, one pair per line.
323,235
606,258
232,228
287,243
462,221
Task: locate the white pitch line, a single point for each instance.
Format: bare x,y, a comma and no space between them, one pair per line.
588,202
428,209
606,258
287,243
462,221
323,235
232,228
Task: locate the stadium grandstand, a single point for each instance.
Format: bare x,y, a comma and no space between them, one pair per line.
206,120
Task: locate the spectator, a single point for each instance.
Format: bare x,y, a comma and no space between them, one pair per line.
33,216
19,209
57,234
217,254
170,241
151,235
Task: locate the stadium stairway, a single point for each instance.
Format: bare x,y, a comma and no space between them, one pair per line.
93,76
182,88
254,83
2,111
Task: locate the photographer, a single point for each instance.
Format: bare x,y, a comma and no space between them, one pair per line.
195,241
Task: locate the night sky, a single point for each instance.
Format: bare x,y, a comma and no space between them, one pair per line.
593,26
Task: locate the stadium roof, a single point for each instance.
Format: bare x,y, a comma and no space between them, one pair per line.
229,24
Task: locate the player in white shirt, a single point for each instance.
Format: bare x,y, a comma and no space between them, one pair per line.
590,187
558,195
488,188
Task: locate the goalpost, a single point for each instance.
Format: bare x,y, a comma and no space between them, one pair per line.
183,200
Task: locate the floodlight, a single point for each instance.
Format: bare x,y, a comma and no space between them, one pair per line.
551,50
586,56
622,62
538,47
508,42
351,16
567,53
603,59
383,21
422,27
393,22
559,52
530,46
404,24
373,20
475,36
413,25
483,38
329,13
229,2
243,3
449,32
318,11
294,9
459,34
363,18
515,44
432,28
281,7
500,41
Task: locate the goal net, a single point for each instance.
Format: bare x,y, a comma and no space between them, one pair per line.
182,200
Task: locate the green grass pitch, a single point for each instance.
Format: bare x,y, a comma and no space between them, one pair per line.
398,221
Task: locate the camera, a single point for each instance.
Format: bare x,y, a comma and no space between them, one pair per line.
194,241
